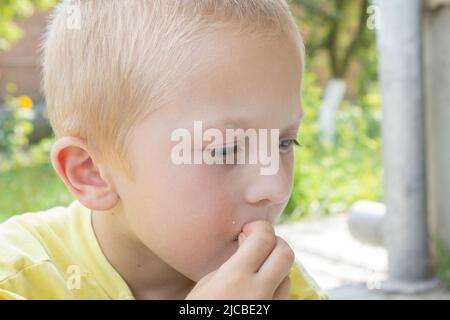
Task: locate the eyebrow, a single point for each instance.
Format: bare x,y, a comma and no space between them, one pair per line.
234,122
299,117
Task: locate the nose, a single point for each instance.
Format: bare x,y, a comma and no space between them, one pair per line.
265,190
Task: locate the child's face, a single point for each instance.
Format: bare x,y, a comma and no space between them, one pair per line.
190,215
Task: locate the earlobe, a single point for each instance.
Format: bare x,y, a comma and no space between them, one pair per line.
74,164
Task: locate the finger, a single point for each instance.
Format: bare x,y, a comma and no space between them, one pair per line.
278,264
258,244
283,290
207,277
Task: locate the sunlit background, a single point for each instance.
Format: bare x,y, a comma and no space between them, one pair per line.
339,164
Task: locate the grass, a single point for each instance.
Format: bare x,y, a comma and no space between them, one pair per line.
31,189
443,260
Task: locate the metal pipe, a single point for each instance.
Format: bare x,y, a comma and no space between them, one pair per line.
400,58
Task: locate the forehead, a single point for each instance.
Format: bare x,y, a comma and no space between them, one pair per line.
239,60
239,77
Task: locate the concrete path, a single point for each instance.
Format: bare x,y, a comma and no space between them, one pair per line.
341,265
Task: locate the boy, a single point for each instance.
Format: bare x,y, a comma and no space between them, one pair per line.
118,85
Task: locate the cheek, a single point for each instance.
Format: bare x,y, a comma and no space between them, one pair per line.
206,203
188,211
201,228
183,213
288,164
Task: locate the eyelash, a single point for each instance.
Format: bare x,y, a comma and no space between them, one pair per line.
213,151
293,142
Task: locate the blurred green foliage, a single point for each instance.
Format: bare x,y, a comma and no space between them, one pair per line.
27,179
31,188
328,178
337,28
13,10
15,128
443,260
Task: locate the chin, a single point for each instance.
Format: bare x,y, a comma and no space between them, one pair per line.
213,264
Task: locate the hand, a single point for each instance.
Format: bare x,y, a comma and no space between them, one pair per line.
258,270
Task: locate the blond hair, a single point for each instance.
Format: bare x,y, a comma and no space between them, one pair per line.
125,58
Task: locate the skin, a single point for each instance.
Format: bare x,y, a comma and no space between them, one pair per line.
170,232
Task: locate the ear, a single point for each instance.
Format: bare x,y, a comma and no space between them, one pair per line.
89,182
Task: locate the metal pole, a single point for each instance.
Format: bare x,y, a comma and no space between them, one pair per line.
400,59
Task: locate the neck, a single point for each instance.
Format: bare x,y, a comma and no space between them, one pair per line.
147,276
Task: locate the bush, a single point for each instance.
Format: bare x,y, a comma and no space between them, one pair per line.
16,127
328,178
27,179
32,188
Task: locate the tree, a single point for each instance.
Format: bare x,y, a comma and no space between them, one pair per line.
338,28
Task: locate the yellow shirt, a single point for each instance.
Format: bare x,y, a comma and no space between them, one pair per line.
54,254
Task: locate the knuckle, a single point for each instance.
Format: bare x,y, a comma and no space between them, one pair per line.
261,226
267,227
286,251
267,240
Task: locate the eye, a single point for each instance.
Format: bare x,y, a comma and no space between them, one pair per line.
224,151
287,143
